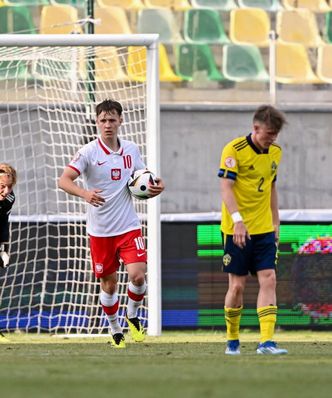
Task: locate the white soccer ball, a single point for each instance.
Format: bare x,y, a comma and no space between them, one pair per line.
138,183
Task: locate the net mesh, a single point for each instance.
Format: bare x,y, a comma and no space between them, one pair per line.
47,102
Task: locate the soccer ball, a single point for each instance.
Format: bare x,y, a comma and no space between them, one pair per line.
138,183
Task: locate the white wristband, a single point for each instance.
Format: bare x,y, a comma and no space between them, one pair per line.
236,217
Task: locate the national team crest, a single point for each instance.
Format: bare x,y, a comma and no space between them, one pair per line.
99,268
116,174
226,259
273,167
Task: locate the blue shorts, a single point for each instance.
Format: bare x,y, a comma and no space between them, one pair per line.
259,253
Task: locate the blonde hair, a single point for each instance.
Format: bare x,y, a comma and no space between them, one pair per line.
7,169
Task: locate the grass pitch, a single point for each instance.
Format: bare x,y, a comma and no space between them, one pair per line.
176,365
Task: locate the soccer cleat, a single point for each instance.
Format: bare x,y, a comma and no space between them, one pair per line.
3,339
136,329
118,341
233,347
270,348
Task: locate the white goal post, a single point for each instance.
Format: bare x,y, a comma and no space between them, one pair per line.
50,85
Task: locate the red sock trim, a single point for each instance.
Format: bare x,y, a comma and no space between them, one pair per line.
135,297
111,310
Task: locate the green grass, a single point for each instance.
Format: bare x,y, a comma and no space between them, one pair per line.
176,365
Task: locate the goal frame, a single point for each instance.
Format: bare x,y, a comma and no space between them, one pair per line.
150,41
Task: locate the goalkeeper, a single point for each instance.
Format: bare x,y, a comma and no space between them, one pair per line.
7,199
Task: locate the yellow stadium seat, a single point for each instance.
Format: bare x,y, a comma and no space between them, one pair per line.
126,4
298,26
113,20
312,5
177,5
59,19
249,26
324,63
293,65
136,65
108,65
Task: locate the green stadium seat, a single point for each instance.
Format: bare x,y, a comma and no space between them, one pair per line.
196,61
249,26
243,63
328,27
16,19
159,20
217,4
26,2
15,69
267,5
177,5
204,26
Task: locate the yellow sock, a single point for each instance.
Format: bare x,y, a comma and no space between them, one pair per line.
267,317
232,317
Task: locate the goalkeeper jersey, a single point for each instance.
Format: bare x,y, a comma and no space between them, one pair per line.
253,173
5,209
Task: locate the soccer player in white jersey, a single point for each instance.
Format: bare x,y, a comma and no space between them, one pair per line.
7,199
114,229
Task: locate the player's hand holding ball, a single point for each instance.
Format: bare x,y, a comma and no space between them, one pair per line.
144,185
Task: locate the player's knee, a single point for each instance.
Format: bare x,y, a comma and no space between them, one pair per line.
138,279
268,280
237,289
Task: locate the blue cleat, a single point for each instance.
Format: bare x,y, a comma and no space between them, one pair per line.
270,348
233,347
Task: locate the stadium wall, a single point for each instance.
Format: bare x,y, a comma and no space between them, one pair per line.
192,137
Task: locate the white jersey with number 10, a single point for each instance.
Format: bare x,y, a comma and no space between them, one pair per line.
109,171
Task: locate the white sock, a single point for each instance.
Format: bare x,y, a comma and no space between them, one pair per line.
108,301
133,305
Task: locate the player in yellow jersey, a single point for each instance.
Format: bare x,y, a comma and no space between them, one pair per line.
250,224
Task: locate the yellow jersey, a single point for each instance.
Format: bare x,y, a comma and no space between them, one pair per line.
253,173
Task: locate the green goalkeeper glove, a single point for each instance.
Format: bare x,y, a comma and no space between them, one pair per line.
4,255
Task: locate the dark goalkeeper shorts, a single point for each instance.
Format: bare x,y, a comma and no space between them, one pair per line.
259,253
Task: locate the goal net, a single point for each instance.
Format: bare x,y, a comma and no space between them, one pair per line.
50,85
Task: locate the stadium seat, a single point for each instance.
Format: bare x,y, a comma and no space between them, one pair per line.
324,63
60,19
126,4
159,20
267,5
249,26
113,20
298,26
26,2
312,5
75,3
14,69
243,63
225,5
108,65
293,65
136,65
204,26
328,27
16,19
196,61
177,5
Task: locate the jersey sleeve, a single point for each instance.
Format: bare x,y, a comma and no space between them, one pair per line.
79,161
138,162
5,211
228,163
